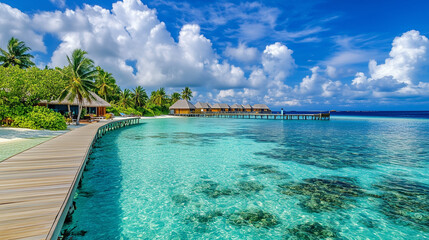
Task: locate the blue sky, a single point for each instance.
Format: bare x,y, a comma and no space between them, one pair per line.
300,55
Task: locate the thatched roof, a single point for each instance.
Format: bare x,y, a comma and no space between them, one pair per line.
202,105
182,104
247,106
237,106
261,106
97,102
220,105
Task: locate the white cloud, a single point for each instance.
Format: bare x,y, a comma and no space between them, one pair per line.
132,31
347,57
243,53
398,73
277,61
409,52
331,71
59,3
14,23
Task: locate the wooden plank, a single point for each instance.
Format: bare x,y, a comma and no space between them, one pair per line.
36,185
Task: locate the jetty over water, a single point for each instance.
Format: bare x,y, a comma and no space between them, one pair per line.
244,115
37,186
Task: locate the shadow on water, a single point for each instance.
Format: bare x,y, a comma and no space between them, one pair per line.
99,214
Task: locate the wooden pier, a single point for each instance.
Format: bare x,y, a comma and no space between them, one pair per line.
37,186
317,116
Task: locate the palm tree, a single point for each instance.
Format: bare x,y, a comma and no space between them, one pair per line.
159,97
125,99
187,93
16,54
139,96
80,74
175,97
104,82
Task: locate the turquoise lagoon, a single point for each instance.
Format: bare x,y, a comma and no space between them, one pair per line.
193,178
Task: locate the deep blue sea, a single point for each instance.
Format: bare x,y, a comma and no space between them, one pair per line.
353,177
390,114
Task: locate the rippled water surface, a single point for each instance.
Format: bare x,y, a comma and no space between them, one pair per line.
191,178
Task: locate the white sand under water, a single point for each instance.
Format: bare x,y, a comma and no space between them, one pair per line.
16,140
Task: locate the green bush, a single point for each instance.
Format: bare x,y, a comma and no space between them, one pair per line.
40,118
118,109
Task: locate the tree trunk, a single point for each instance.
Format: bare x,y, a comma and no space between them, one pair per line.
78,114
70,113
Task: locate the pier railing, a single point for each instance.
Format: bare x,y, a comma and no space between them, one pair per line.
115,125
317,116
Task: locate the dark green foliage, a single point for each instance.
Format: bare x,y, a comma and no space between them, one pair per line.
187,93
312,231
405,202
79,74
29,86
20,89
253,217
324,194
40,118
16,54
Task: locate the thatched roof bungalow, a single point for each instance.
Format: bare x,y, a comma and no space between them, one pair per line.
202,107
247,108
237,108
182,107
261,108
220,107
94,106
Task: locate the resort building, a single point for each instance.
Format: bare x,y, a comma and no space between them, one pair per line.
237,108
261,108
220,107
247,108
96,106
182,107
202,107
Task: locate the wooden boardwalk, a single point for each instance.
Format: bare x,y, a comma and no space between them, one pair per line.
316,116
37,185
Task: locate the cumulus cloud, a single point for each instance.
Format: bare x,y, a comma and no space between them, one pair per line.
407,59
277,61
132,32
243,53
14,23
409,52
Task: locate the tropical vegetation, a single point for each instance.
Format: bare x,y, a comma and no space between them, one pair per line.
80,75
16,54
23,86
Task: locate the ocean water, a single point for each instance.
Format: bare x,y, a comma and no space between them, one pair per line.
195,178
16,140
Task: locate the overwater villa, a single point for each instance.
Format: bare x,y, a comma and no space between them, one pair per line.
237,108
182,107
247,108
96,106
221,107
261,108
186,107
202,107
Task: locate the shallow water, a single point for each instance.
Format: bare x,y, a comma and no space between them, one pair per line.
191,178
16,140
